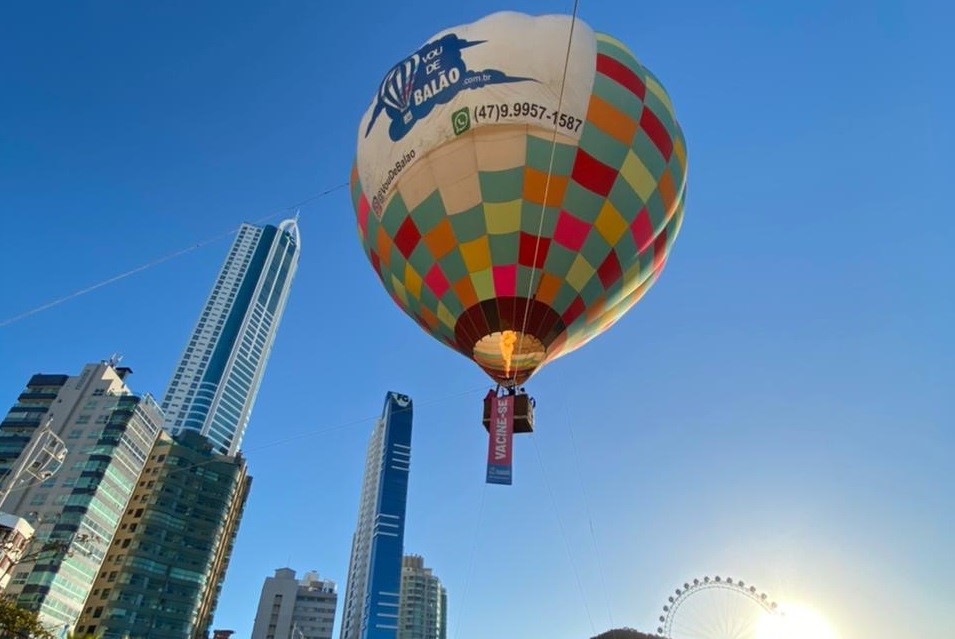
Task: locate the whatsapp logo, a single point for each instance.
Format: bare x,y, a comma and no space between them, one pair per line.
461,120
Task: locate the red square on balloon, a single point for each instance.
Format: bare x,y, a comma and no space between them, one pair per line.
642,230
574,311
533,250
505,280
621,73
610,271
660,249
592,174
657,132
407,237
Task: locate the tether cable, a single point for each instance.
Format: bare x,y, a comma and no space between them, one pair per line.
531,293
161,260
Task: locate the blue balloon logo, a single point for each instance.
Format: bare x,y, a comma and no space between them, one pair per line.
396,88
433,75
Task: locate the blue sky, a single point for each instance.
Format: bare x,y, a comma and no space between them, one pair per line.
778,408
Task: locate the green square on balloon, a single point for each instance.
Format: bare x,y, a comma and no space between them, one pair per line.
429,212
531,221
593,290
539,155
559,260
619,96
503,248
468,225
603,147
582,203
502,186
453,266
394,214
595,248
649,154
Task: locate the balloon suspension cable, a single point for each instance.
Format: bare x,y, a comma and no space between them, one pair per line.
531,293
571,550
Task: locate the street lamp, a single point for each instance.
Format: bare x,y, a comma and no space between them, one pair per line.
42,458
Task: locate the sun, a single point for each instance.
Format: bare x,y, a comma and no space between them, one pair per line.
794,622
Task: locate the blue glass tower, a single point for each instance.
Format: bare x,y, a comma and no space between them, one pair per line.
213,388
372,595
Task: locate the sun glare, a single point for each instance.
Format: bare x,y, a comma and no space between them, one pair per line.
794,622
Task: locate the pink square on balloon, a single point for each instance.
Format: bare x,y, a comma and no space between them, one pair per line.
436,281
570,232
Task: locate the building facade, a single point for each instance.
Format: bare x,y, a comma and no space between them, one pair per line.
372,593
108,433
424,602
165,567
295,609
213,388
15,535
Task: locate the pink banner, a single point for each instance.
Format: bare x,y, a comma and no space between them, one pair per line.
500,440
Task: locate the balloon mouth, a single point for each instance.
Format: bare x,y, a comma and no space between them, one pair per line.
510,357
526,329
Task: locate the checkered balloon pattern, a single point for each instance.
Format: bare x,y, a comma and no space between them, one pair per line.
504,229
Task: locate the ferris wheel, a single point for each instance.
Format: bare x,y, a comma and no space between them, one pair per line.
715,608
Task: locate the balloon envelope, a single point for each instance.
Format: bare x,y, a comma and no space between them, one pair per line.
514,208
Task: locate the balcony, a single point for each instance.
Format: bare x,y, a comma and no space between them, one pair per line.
34,396
32,421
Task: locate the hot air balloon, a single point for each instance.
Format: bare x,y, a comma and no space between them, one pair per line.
518,184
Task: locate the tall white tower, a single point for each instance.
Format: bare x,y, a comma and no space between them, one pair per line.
213,388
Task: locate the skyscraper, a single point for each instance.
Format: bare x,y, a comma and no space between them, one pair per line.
164,569
424,602
169,562
213,388
295,609
373,590
108,432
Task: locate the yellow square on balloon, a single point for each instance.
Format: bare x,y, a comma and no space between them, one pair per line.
476,254
503,218
580,273
638,176
610,224
412,281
